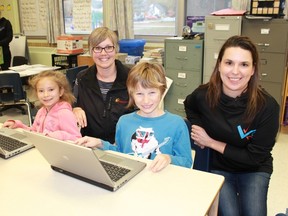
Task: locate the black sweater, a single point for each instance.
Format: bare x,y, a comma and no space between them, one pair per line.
6,36
6,33
248,147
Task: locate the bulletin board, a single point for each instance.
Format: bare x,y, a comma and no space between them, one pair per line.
33,16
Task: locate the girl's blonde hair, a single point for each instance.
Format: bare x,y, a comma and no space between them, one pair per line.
57,77
148,75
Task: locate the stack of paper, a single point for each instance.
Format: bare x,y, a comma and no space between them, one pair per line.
153,55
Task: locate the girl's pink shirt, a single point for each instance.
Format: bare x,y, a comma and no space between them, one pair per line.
59,122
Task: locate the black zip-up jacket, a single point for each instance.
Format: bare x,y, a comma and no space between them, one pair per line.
248,147
102,116
6,36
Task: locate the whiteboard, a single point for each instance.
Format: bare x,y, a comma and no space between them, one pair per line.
33,16
19,47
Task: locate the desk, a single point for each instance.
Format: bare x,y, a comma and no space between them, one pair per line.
30,70
86,59
30,187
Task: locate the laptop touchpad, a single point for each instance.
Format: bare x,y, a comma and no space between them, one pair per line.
111,158
18,136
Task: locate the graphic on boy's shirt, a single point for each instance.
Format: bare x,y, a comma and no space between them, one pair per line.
144,142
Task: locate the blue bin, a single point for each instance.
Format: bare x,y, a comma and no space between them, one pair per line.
133,47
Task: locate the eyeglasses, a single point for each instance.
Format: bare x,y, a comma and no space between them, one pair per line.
108,49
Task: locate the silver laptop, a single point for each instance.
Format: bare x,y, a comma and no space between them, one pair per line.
13,142
87,164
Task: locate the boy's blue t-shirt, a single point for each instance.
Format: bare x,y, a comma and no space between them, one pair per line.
146,137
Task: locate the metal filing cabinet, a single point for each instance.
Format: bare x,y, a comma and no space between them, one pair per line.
183,64
217,30
271,39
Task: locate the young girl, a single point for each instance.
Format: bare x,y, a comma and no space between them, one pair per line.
149,132
55,118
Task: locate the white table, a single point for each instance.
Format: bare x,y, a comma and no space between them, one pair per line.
30,187
30,70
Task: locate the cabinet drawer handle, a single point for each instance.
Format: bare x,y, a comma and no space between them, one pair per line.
263,44
181,84
263,61
180,58
220,39
264,74
181,110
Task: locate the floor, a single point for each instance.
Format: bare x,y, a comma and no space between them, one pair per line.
278,191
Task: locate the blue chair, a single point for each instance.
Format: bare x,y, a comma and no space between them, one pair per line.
12,94
71,74
202,156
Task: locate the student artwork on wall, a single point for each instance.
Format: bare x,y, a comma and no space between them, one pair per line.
33,16
75,20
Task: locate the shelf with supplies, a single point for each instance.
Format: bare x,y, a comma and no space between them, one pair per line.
65,61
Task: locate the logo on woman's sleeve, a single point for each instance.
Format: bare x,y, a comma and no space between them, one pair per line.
245,133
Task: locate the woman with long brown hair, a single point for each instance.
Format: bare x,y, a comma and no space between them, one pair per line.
238,120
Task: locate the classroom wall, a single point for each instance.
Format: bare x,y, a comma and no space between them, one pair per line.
9,10
40,52
41,55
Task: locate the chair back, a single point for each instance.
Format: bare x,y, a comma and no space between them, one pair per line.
11,88
19,60
71,73
202,156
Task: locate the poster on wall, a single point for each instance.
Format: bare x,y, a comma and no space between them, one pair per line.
33,16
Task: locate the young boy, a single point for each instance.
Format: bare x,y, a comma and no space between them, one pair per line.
149,132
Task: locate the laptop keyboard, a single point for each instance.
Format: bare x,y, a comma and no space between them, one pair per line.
10,144
115,172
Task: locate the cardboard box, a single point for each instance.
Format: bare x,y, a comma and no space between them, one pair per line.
69,44
121,57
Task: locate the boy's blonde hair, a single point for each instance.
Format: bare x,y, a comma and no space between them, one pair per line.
148,75
57,77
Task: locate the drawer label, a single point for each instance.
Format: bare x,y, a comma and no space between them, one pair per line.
265,31
182,75
181,101
222,27
182,48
